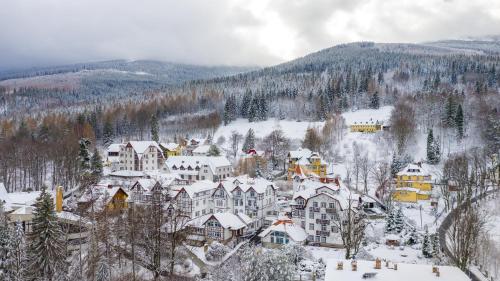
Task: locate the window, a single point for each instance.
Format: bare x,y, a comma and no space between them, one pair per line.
323,204
315,204
323,227
279,237
311,215
331,205
323,239
311,226
323,216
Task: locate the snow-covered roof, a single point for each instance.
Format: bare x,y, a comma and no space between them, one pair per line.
141,146
128,174
3,193
115,147
295,232
99,193
197,161
367,122
170,146
244,218
407,272
309,188
146,184
202,149
245,183
228,220
199,186
301,152
413,170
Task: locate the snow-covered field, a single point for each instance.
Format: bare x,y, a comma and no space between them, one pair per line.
291,129
381,114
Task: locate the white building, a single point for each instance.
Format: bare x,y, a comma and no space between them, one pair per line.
255,197
141,156
195,200
282,232
318,208
113,156
221,227
194,168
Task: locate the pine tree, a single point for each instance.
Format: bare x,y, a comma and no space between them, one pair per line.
450,111
103,270
96,164
390,221
84,155
413,238
431,155
436,248
154,128
249,142
213,150
459,122
245,104
399,221
227,113
46,246
107,133
427,245
253,110
375,101
6,235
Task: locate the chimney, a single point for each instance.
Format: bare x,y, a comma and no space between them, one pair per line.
395,266
378,264
59,198
354,265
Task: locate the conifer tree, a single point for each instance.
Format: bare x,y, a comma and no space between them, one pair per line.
107,133
46,243
427,245
249,142
398,221
245,104
213,150
375,101
154,128
431,155
96,164
253,110
436,248
227,114
6,236
450,111
413,238
390,221
459,122
84,155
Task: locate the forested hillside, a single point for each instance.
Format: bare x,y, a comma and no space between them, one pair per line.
428,84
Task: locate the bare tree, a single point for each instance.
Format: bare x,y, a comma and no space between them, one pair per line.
464,232
365,171
235,142
351,224
402,123
277,145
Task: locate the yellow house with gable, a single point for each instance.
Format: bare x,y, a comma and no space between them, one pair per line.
171,149
310,163
370,126
413,183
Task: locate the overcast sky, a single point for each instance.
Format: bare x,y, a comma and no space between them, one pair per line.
227,32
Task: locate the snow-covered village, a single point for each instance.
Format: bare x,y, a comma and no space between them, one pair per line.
250,141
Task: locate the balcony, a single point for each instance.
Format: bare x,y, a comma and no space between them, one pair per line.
330,210
322,233
320,221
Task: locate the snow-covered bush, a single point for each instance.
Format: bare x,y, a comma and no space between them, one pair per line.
216,251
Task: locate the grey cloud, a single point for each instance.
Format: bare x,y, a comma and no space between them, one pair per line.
36,32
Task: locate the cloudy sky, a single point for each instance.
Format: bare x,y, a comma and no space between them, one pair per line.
227,32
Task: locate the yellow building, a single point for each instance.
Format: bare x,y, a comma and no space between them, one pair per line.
171,149
413,183
111,197
306,161
369,126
